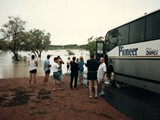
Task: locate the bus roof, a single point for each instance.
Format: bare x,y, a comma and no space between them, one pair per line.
146,14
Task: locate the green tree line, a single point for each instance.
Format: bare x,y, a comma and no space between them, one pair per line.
14,38
90,46
70,46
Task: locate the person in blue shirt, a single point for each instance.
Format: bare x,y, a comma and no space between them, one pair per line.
81,69
47,69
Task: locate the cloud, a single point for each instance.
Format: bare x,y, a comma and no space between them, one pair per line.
74,21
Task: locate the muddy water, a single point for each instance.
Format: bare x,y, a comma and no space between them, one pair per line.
10,69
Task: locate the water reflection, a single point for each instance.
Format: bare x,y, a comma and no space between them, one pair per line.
10,69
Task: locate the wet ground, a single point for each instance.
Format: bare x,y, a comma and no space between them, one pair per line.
136,103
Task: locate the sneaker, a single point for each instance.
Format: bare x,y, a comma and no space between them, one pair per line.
90,96
101,94
96,96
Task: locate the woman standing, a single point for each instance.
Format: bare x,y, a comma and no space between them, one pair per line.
56,74
68,65
81,69
33,70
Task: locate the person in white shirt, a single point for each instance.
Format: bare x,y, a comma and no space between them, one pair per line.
33,70
56,74
68,64
101,75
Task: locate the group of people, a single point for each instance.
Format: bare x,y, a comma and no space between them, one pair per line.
56,68
96,71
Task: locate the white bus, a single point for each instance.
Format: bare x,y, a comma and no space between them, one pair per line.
132,52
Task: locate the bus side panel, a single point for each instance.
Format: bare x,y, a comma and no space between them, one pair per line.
138,83
145,71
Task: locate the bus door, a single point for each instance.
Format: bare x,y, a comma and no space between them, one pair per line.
99,49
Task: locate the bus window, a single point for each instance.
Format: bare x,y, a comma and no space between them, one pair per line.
123,35
153,26
112,37
137,29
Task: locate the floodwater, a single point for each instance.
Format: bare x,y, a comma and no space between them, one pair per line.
10,69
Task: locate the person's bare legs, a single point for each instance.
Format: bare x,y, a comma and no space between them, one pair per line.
95,87
59,83
54,85
34,77
30,80
102,83
90,88
46,78
81,80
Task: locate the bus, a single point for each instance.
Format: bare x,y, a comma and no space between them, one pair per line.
132,52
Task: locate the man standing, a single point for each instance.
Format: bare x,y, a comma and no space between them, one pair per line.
47,69
92,66
101,75
74,73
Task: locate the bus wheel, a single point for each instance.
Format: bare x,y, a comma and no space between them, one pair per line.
112,79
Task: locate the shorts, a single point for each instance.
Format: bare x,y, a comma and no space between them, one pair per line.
56,75
68,66
60,72
47,71
33,71
92,75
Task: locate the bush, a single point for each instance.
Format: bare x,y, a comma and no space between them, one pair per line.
24,58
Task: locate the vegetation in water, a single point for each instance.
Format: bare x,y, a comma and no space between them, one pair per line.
70,52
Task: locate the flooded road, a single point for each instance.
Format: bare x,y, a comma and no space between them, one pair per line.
138,104
10,69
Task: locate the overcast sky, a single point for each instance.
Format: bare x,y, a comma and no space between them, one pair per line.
74,21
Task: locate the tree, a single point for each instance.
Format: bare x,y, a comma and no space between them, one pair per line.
11,33
91,45
37,41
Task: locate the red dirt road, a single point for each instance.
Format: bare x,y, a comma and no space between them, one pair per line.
20,102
